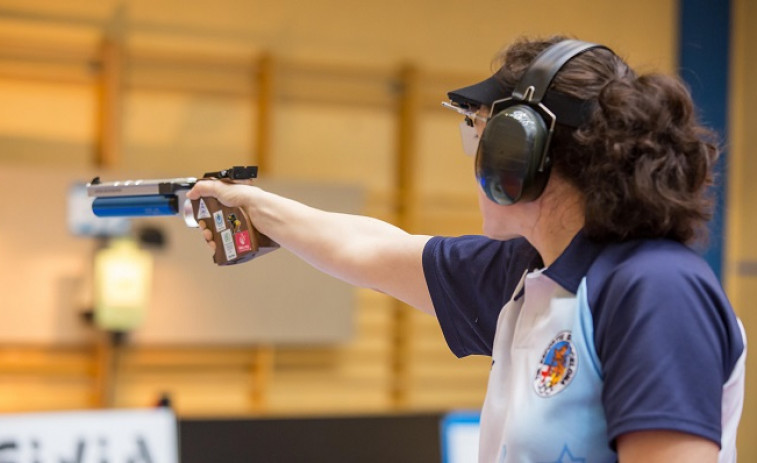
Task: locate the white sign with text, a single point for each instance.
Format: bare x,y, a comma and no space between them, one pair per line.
112,436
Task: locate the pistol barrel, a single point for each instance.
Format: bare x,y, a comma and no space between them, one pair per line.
140,187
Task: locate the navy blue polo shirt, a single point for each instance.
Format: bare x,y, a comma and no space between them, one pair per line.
610,339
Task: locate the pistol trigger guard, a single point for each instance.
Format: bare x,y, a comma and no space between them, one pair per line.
188,213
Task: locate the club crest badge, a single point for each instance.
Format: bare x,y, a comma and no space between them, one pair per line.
557,367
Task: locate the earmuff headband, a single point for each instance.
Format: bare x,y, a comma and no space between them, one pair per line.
545,67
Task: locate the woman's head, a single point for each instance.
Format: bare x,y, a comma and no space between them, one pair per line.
641,161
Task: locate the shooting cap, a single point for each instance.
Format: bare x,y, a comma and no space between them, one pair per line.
569,110
483,93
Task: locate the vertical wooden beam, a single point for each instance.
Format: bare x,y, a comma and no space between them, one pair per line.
109,103
262,370
741,274
105,365
108,143
265,82
408,106
264,106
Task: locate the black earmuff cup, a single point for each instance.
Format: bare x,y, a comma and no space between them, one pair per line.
510,155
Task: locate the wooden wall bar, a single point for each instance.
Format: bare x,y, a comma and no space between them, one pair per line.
110,104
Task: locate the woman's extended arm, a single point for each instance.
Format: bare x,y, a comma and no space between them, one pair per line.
360,250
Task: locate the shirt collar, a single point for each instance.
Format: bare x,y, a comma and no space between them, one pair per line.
571,266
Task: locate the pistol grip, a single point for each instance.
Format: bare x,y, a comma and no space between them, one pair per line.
236,239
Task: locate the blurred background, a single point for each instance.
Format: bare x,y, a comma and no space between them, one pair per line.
337,102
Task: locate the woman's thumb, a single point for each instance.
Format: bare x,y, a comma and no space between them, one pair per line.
203,188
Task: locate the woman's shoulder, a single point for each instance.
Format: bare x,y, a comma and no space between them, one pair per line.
653,260
648,274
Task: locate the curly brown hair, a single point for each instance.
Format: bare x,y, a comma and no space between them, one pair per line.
642,161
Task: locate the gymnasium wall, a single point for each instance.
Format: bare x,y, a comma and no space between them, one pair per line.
741,251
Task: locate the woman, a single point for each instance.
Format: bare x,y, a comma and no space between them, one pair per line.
610,338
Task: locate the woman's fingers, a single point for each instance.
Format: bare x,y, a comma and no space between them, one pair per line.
207,235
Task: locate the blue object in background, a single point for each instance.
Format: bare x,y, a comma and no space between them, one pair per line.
459,436
83,222
704,57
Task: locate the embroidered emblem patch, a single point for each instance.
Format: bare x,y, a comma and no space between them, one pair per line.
557,367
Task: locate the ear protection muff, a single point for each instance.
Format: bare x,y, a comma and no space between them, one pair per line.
512,161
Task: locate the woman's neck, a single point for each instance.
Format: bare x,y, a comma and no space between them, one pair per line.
560,218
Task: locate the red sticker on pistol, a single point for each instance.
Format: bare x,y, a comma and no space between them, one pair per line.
242,240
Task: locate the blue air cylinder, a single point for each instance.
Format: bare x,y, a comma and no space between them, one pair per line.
135,206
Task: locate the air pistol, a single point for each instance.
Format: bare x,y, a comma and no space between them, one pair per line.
235,237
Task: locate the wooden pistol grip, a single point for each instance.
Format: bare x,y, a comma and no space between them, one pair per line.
236,239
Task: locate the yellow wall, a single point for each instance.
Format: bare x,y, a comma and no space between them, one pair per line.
741,251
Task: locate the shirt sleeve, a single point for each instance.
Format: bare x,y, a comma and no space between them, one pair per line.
667,340
470,278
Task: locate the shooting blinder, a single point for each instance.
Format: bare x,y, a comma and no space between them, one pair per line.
512,161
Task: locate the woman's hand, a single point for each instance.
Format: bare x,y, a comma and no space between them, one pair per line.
230,194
